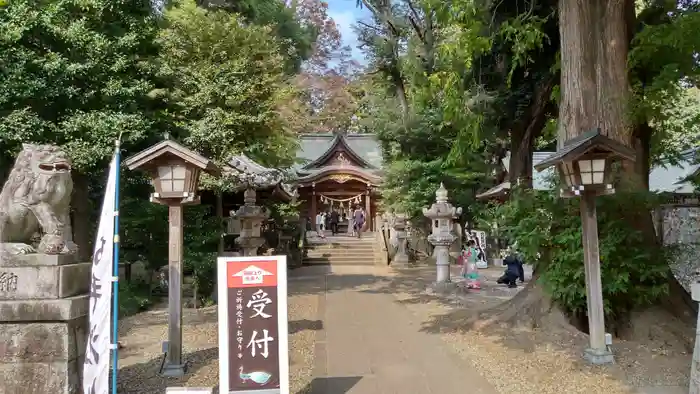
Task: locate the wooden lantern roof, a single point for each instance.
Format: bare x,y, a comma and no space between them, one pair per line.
171,149
589,142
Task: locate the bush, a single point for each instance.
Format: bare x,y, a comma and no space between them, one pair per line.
547,232
134,297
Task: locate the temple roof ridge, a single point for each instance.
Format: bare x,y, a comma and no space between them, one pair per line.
339,142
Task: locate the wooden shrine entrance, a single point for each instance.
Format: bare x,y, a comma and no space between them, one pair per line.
339,179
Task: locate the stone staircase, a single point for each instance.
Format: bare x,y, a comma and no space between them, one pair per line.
342,250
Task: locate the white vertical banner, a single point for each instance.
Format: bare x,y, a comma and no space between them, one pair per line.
97,352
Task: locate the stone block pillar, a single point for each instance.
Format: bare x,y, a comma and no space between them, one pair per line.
43,323
694,387
401,257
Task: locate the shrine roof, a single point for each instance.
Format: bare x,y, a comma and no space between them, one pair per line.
248,170
367,175
313,147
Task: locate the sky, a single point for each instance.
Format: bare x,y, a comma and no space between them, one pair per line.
345,13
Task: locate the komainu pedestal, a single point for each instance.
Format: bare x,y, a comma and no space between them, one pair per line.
43,323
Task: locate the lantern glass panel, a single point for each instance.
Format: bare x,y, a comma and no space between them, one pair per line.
165,173
598,165
172,178
179,185
586,178
166,185
598,178
592,171
586,169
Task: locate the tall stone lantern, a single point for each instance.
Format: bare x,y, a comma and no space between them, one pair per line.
251,217
441,214
399,227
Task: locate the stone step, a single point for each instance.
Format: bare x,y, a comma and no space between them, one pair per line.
340,252
349,244
364,257
339,261
367,255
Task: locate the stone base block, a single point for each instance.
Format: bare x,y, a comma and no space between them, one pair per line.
62,377
28,311
598,357
173,371
402,265
44,281
34,259
42,345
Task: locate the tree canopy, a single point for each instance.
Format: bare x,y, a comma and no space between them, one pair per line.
451,89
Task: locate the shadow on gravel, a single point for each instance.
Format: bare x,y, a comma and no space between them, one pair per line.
334,385
296,326
144,378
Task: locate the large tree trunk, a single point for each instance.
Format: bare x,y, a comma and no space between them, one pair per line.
594,83
595,93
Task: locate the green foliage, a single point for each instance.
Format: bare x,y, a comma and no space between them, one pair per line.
76,73
144,229
547,232
663,65
525,34
201,237
143,224
133,298
296,39
225,80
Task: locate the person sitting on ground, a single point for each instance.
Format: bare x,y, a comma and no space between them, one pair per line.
514,271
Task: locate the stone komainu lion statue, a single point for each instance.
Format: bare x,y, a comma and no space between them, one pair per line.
36,199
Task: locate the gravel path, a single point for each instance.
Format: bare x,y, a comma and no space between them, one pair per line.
520,361
142,335
514,361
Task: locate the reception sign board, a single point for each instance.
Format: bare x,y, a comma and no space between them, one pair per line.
253,332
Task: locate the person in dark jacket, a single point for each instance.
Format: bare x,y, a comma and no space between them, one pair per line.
514,271
335,217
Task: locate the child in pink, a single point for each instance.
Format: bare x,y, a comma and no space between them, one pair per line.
469,270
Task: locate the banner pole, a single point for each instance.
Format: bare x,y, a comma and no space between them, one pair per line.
115,268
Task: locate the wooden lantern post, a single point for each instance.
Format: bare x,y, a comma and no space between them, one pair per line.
584,166
174,172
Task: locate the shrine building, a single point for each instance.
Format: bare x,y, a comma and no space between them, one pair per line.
339,171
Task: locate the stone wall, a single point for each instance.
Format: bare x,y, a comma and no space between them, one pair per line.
679,226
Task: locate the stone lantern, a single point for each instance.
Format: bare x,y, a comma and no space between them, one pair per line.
399,227
584,164
174,172
251,217
441,214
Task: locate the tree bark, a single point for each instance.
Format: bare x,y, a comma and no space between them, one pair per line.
596,92
595,86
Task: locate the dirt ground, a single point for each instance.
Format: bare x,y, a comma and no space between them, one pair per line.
142,335
539,360
515,361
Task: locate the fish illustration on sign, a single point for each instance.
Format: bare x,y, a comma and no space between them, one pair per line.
258,377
